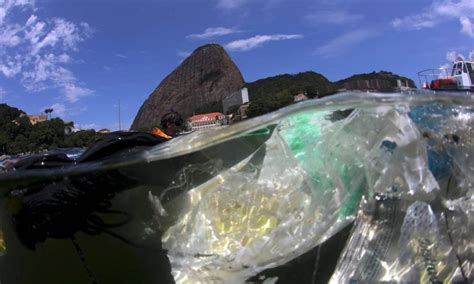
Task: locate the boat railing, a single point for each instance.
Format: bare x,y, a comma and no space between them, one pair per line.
426,76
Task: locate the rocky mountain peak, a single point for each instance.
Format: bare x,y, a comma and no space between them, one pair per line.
204,78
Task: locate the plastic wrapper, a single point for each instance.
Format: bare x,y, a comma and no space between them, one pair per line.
405,240
313,175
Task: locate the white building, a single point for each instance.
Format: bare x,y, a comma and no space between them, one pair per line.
207,120
235,99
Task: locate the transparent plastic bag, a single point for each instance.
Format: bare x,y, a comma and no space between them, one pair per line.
308,186
433,240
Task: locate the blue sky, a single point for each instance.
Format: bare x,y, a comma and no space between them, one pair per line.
81,57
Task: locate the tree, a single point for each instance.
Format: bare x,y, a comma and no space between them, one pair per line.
272,93
19,145
48,111
4,140
18,135
233,109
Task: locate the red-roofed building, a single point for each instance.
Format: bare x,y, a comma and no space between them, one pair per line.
301,96
207,120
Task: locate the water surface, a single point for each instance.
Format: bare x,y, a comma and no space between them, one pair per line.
228,204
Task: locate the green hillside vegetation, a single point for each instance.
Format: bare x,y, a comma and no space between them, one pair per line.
18,135
382,75
272,93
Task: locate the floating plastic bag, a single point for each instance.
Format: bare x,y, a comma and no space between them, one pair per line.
405,239
309,185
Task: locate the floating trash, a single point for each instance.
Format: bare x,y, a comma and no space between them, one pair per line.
227,205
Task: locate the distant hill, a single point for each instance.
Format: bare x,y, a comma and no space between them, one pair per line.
382,81
272,93
312,82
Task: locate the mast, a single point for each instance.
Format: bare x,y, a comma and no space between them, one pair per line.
119,121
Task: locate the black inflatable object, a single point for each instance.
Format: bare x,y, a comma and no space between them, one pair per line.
116,142
60,196
107,146
121,150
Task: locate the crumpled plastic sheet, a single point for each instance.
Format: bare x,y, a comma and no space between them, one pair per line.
398,239
312,178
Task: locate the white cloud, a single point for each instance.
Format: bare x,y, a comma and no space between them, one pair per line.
119,55
436,13
445,66
65,110
85,126
62,34
10,66
231,4
467,26
256,41
453,8
342,43
73,92
452,56
337,17
7,5
415,22
38,50
46,71
58,109
213,32
10,36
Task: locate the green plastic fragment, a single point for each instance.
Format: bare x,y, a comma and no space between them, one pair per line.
304,134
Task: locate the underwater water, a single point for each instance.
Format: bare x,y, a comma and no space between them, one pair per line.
393,172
